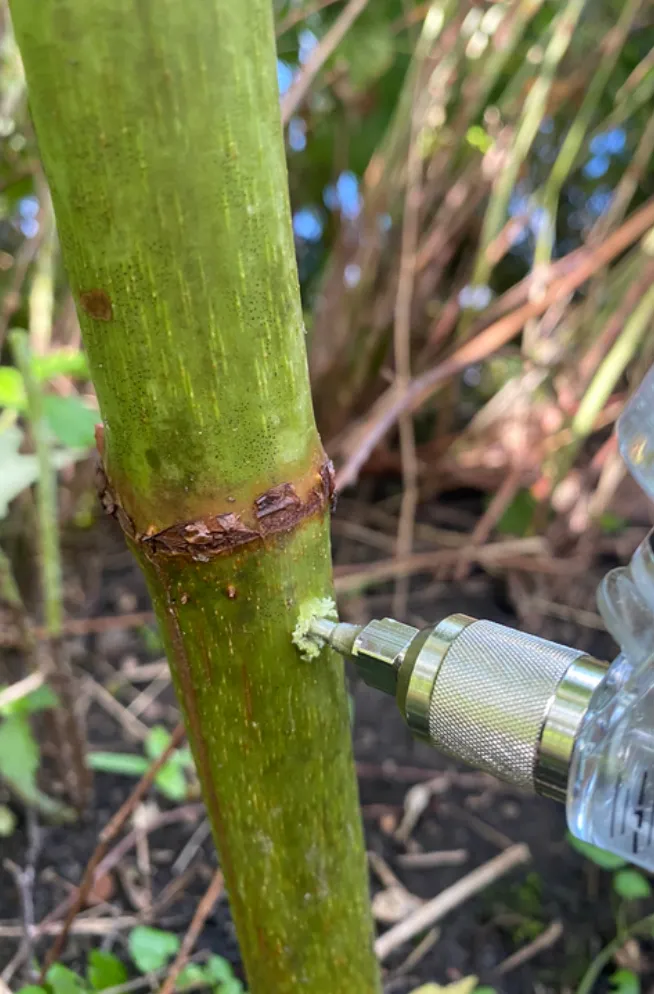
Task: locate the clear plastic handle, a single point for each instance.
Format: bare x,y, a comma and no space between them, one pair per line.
636,435
611,785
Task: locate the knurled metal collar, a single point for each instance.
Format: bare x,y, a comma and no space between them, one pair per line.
420,669
502,700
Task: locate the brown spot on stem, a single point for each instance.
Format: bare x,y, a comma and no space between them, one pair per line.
99,438
97,304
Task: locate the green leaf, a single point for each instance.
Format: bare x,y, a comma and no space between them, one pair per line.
41,699
20,471
218,970
368,49
484,990
157,741
61,980
71,421
31,989
624,982
7,821
123,763
192,973
607,860
170,780
631,885
612,524
19,753
518,516
151,639
12,389
151,948
478,138
105,970
19,761
233,986
61,362
186,758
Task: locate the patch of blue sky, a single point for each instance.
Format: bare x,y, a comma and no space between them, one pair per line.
284,76
307,224
297,134
611,142
28,210
344,196
600,200
597,166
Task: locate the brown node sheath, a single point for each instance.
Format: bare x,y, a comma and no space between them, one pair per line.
278,510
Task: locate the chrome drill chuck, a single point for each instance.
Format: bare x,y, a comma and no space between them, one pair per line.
502,700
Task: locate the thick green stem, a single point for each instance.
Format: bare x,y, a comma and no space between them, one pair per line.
160,132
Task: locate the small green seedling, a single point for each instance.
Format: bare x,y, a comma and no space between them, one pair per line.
151,951
71,422
606,860
630,885
151,948
173,777
19,754
624,982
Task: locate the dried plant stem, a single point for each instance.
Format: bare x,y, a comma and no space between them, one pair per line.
107,835
305,77
530,121
202,912
9,592
611,48
427,915
16,691
613,366
362,439
402,332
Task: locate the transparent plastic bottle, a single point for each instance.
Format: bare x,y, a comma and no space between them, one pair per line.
610,799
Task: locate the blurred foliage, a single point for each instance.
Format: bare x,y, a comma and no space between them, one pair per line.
534,127
19,753
176,779
151,950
